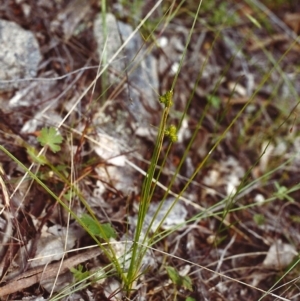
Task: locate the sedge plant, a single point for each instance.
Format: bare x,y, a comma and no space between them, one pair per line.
221,211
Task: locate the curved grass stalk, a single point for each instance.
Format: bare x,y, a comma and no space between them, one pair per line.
108,251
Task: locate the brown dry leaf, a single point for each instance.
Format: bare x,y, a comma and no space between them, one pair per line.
235,101
293,21
257,45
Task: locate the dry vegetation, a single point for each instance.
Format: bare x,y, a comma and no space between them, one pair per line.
239,85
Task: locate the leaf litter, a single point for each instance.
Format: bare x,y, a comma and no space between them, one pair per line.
113,187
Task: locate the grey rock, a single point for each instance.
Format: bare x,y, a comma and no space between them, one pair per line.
19,55
136,61
120,123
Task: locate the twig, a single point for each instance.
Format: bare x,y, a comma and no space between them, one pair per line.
38,274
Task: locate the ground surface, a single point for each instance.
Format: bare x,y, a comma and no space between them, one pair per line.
240,236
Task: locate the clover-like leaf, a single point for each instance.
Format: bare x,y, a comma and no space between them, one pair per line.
79,274
50,137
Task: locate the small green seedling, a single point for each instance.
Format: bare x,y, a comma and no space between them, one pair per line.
282,193
50,137
79,274
104,231
259,219
178,280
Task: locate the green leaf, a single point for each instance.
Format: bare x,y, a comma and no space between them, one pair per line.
215,101
187,283
108,230
177,279
33,154
50,137
282,193
79,274
104,231
174,276
259,219
190,299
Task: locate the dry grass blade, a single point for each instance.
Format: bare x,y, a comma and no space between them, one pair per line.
5,193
